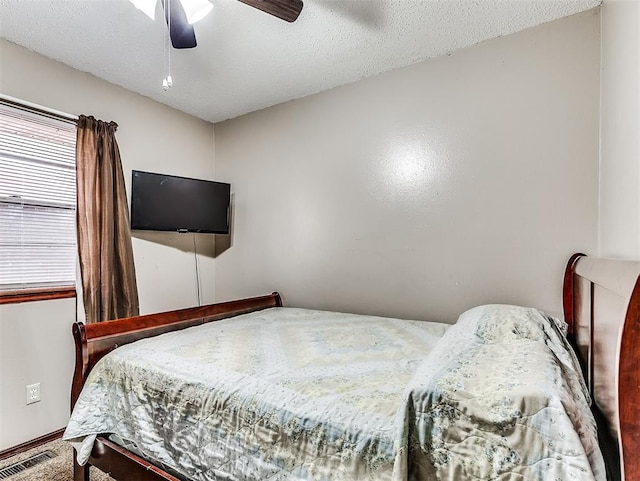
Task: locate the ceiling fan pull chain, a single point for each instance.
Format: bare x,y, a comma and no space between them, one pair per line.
167,82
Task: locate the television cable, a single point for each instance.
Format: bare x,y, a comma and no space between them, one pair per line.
195,257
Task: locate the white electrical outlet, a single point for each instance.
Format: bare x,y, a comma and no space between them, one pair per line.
33,393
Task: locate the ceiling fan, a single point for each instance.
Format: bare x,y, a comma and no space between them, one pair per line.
180,15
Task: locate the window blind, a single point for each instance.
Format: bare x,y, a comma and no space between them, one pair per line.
37,200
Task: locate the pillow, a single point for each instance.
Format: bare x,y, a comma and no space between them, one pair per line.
499,323
504,323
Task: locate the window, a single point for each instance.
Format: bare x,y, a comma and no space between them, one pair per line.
37,202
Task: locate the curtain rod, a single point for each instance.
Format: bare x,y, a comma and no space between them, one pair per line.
39,108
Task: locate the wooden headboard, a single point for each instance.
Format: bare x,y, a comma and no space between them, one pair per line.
602,309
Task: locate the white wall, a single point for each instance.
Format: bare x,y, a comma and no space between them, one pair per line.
424,191
35,346
620,130
35,338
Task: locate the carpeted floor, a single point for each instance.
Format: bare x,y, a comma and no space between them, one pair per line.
59,468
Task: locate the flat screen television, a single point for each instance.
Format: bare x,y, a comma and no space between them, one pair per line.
179,204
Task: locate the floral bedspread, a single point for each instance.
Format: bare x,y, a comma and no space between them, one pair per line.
295,394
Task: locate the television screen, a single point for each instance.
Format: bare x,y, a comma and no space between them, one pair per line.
169,203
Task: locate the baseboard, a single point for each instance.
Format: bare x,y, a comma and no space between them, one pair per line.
34,443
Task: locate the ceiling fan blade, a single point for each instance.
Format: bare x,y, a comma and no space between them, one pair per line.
285,9
180,30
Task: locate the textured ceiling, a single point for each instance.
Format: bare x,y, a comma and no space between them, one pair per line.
247,60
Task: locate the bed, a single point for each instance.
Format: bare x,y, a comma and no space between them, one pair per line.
392,399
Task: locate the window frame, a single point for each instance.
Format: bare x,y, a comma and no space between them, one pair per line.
36,294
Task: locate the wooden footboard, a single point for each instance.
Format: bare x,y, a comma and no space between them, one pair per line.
94,341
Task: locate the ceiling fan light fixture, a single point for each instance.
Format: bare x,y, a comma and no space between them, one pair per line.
196,10
148,7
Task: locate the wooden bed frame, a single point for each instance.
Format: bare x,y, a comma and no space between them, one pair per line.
601,305
602,309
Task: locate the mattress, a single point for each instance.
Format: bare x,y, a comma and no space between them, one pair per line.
295,394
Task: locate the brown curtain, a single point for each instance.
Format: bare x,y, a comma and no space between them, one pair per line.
104,236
